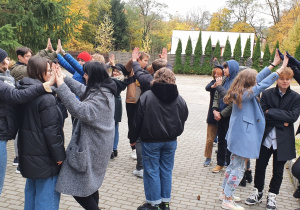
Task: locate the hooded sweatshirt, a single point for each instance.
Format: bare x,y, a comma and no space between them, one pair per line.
233,71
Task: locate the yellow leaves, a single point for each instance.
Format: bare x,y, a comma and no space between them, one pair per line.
220,20
293,38
242,27
75,45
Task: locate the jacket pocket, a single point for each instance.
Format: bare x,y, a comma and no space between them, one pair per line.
248,123
77,158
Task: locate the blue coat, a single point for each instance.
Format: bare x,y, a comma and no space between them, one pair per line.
247,125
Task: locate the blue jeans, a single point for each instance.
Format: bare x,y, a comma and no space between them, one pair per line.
116,140
158,161
3,162
234,174
41,194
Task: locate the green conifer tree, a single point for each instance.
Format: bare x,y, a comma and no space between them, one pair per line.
217,51
206,69
256,55
297,52
188,55
247,49
274,51
178,62
227,51
237,53
198,55
267,55
8,40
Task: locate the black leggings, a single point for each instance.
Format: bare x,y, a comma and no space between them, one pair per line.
90,202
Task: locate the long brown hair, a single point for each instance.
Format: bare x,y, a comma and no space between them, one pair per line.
244,81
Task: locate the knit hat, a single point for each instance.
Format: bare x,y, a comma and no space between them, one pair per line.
84,56
3,55
121,68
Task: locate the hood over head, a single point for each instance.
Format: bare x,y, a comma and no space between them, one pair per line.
165,92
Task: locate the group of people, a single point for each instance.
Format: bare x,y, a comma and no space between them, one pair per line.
36,97
253,123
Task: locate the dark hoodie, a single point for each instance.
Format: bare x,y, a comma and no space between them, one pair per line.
161,114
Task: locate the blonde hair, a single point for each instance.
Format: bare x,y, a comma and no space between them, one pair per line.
164,75
244,81
98,57
287,72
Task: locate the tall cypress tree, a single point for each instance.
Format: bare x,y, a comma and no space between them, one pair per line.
256,55
198,55
237,53
178,62
217,51
297,52
188,56
267,55
206,69
247,49
227,51
119,20
274,51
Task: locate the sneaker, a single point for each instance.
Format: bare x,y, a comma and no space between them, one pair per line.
116,153
297,193
16,161
164,206
148,206
217,169
254,197
271,201
138,173
207,162
112,156
235,198
133,154
248,174
18,170
230,204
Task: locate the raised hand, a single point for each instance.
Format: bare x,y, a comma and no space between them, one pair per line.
277,59
59,76
164,54
135,54
284,64
59,48
112,60
49,46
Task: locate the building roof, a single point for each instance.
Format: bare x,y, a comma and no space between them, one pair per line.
215,36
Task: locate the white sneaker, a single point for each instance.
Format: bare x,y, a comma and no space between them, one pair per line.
230,204
235,198
271,203
133,154
138,173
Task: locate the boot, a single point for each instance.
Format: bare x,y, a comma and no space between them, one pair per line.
248,174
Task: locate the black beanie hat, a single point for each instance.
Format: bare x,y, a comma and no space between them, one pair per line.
122,68
3,55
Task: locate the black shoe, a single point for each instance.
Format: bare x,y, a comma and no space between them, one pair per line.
116,153
164,205
243,182
297,193
248,175
112,156
16,161
147,206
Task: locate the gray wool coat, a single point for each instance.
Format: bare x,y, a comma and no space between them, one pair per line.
93,130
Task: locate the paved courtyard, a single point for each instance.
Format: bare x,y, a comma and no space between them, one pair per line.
122,190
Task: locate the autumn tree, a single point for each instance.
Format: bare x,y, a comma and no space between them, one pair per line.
227,51
256,55
247,49
242,27
217,51
220,20
206,67
104,36
292,38
237,53
267,55
178,62
188,56
198,55
35,21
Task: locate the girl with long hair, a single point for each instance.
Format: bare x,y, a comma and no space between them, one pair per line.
89,150
246,125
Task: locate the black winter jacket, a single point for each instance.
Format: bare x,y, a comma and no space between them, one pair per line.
280,110
210,116
161,114
9,115
41,137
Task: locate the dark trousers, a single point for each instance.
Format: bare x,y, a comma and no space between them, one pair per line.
260,170
223,153
296,169
90,202
139,157
130,109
